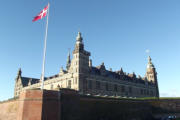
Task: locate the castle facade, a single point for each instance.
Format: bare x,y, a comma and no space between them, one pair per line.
87,79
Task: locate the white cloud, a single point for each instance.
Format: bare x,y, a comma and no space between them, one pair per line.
147,51
171,93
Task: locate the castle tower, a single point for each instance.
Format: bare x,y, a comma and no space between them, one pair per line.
80,62
81,56
151,75
18,83
68,61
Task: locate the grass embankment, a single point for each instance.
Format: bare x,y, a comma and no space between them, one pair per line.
161,98
10,99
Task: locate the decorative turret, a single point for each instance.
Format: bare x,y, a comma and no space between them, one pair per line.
79,38
139,77
134,75
90,63
79,47
30,82
61,71
102,66
68,61
121,71
19,72
18,83
150,64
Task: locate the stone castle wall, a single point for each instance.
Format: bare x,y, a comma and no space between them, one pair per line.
61,81
123,88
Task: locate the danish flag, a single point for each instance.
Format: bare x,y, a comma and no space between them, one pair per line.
42,14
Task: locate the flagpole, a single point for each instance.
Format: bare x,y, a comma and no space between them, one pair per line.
44,55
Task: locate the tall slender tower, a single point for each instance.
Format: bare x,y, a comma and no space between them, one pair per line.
80,63
81,55
18,83
68,61
151,75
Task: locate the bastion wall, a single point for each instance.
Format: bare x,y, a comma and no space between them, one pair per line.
66,104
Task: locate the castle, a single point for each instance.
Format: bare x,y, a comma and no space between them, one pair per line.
87,79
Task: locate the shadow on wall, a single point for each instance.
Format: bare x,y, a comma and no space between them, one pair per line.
79,107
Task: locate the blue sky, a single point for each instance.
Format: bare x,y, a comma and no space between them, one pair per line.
116,32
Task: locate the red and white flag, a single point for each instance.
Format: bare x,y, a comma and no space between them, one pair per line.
42,14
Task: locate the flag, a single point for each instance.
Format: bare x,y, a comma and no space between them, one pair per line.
42,14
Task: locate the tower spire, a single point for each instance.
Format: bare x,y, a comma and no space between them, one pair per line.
79,47
79,38
68,60
19,72
149,59
150,64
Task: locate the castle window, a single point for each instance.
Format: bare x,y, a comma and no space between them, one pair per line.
123,88
141,92
76,80
147,92
115,88
130,89
51,86
90,84
85,84
151,92
97,85
69,84
144,91
107,87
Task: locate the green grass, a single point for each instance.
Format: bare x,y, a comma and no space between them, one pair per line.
153,98
129,98
170,98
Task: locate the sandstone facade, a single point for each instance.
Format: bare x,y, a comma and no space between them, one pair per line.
87,79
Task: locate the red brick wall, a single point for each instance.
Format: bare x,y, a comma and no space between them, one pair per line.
51,109
30,105
68,105
39,105
8,110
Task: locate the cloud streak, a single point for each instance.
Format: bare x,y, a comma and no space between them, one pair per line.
171,93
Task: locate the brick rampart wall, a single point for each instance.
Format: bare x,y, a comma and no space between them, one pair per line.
68,105
8,110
